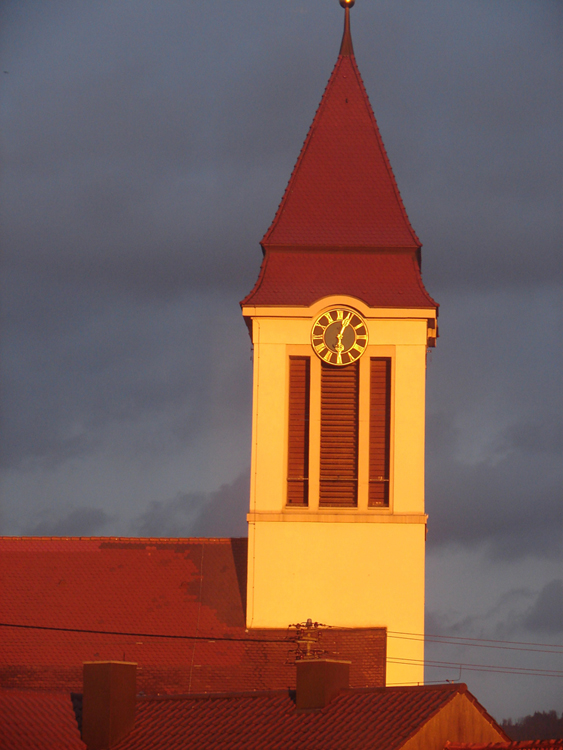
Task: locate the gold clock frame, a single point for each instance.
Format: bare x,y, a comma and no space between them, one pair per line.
339,347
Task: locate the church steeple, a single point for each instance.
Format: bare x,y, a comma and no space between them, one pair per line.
340,323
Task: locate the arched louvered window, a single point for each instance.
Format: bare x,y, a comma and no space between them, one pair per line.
339,435
379,431
298,440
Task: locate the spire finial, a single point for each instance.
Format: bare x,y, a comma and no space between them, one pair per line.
346,47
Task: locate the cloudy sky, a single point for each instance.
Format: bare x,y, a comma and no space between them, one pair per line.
146,145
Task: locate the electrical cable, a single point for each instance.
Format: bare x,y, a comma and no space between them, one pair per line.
474,642
456,638
145,635
538,671
431,663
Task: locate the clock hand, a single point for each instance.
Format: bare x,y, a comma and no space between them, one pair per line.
339,346
345,322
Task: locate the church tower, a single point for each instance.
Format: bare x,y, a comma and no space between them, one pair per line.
340,322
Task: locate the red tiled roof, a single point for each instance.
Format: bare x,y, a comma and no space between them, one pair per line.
386,279
342,191
37,720
379,719
513,745
193,588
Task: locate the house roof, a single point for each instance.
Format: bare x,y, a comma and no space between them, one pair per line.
342,190
384,279
174,606
35,719
381,719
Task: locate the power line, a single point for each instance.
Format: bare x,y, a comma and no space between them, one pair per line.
456,638
397,660
477,643
439,639
144,635
538,672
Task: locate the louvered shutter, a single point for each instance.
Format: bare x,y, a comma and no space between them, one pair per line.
379,431
339,435
298,445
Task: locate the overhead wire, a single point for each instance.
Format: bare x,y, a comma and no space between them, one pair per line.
444,640
88,631
477,643
537,671
431,663
457,638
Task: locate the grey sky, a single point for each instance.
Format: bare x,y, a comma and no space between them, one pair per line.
146,146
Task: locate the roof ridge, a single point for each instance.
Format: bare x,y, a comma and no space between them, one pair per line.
384,150
132,539
214,696
302,152
259,280
483,711
421,284
457,688
454,689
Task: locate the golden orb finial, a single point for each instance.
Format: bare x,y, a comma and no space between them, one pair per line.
347,3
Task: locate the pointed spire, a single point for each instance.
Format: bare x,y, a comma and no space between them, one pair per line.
342,192
341,227
346,47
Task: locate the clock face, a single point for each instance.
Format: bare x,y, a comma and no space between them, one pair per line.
339,336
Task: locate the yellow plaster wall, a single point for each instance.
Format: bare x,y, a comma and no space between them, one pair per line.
269,438
349,567
342,574
275,339
408,419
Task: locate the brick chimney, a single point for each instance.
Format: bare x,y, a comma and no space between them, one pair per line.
319,681
108,702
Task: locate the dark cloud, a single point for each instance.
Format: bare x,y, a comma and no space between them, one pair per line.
69,386
498,634
216,514
224,514
494,468
78,522
534,437
516,614
546,614
511,504
169,518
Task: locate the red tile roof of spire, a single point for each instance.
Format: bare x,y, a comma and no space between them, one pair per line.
385,279
342,191
341,227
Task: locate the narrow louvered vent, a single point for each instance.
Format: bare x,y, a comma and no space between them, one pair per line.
298,446
379,431
339,435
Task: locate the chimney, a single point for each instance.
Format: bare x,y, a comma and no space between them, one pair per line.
108,702
319,680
